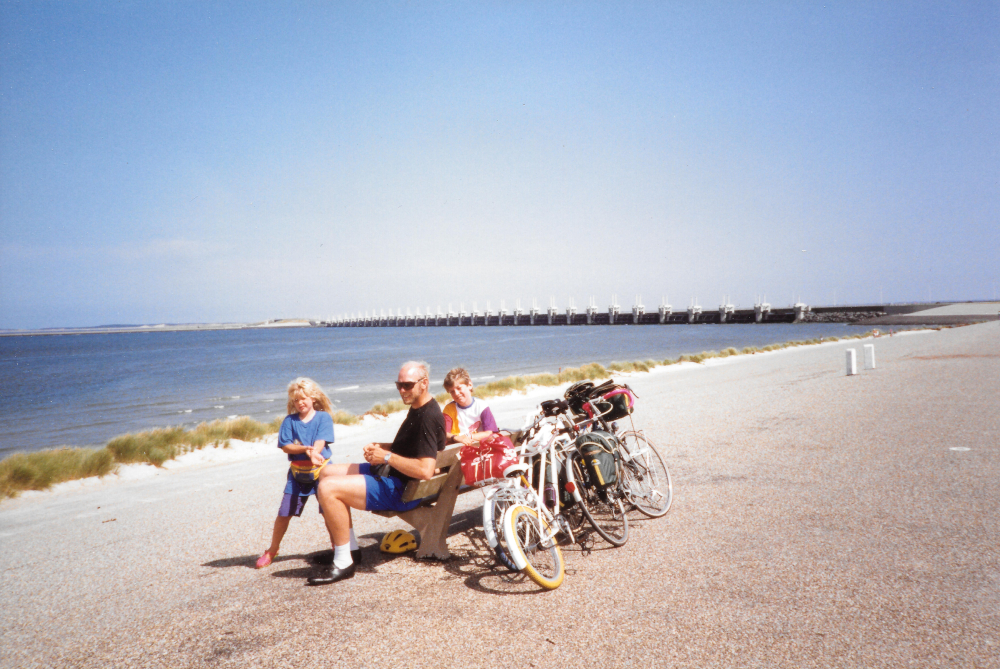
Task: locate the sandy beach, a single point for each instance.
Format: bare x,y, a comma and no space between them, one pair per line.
819,520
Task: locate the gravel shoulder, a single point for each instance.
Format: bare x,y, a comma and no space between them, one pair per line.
819,520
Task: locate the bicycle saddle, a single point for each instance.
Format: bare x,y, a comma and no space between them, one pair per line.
515,470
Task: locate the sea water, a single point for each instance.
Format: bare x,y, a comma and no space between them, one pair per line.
84,389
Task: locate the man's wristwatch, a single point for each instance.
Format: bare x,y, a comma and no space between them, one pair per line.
386,458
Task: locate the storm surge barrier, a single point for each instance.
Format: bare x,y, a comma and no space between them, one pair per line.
665,314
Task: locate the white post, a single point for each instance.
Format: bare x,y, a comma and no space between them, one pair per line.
852,362
869,356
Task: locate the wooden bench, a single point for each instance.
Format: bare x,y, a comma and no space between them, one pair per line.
432,518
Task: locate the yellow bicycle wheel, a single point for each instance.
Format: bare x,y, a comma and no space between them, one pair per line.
533,544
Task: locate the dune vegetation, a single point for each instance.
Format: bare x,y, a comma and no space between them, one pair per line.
157,446
42,469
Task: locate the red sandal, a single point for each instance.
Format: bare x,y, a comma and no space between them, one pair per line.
265,559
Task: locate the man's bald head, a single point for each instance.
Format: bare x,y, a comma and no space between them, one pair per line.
423,369
413,384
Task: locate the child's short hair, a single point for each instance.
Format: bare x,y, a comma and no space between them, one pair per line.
308,388
456,376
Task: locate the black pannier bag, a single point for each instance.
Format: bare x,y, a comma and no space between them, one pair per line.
600,456
578,394
615,404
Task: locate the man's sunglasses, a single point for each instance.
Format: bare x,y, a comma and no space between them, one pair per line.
408,385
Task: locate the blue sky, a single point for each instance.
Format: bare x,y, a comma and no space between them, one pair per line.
208,162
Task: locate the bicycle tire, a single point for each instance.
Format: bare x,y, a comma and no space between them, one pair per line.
648,486
493,512
525,532
606,516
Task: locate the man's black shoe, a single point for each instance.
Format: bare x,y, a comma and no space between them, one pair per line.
326,557
331,574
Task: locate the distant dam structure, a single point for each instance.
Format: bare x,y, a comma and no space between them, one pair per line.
665,314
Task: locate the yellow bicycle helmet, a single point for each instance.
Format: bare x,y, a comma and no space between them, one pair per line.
398,541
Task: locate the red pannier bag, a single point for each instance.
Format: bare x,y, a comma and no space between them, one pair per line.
487,459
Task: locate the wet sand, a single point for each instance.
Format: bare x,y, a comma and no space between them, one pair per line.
819,520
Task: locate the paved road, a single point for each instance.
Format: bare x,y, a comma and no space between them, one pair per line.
820,520
964,309
950,314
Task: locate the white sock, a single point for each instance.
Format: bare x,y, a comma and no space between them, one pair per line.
354,541
342,556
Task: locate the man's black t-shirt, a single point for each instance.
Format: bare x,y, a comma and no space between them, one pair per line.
420,436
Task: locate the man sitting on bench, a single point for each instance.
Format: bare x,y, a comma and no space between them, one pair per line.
378,483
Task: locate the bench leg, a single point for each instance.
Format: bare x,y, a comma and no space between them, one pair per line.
432,522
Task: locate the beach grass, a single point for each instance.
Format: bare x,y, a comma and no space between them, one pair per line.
512,384
157,446
42,469
635,366
340,417
386,408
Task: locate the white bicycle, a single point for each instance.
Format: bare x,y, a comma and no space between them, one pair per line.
519,527
525,513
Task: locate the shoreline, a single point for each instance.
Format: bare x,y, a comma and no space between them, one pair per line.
373,424
188,379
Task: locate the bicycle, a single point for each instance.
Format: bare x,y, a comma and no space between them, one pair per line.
645,479
534,550
529,527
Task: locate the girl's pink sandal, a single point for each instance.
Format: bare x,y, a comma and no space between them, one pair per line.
265,559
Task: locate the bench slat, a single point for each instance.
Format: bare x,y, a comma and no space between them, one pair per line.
445,460
448,457
417,489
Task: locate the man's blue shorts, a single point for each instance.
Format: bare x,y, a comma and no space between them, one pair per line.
384,493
